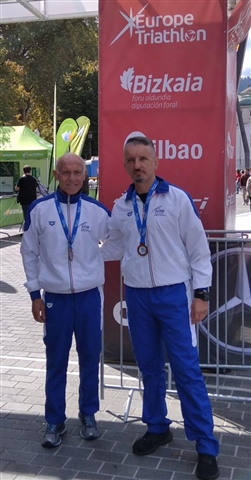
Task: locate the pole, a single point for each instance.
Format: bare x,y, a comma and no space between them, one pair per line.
55,130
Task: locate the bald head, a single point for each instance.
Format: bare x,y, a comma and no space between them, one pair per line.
69,157
70,173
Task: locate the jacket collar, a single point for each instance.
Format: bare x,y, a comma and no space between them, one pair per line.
63,197
162,187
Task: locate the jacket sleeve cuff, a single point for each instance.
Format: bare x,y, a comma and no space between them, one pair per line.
35,295
202,289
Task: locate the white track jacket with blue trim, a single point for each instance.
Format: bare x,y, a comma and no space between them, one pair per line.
44,246
178,249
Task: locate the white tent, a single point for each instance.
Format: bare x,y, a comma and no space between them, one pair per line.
27,11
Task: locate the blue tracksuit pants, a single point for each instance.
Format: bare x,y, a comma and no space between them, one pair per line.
159,318
79,314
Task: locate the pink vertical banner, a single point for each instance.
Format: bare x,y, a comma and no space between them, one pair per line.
162,68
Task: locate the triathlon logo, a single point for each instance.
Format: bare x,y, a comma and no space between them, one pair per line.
160,28
159,211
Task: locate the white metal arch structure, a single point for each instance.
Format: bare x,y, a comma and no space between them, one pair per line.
12,11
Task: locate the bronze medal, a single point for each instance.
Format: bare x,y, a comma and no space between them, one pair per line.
142,250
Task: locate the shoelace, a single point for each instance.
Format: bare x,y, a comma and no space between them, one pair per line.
89,421
51,428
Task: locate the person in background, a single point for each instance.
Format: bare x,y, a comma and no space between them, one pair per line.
243,183
26,189
61,257
167,272
85,186
248,189
237,180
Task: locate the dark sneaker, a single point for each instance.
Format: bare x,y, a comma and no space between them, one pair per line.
150,442
207,468
89,429
52,436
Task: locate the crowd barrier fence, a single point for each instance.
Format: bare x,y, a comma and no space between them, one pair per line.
224,336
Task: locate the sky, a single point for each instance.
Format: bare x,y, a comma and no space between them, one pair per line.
246,68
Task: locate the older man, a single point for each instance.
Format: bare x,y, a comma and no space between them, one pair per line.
61,256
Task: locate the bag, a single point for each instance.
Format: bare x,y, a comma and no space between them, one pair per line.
42,190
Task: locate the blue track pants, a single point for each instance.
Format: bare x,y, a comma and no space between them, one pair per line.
79,314
158,319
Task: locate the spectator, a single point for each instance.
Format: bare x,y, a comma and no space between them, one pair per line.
26,189
248,188
237,180
243,183
85,186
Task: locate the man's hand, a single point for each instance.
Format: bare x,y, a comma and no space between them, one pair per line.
199,310
38,310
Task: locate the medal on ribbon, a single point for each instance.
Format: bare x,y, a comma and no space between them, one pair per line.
142,248
69,236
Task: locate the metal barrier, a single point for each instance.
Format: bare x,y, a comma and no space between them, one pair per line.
224,336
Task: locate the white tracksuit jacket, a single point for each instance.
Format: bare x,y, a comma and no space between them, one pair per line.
44,246
178,250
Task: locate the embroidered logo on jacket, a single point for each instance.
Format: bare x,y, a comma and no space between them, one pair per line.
49,305
159,211
129,214
51,223
85,227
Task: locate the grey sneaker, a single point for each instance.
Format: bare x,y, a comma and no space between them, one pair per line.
89,429
52,435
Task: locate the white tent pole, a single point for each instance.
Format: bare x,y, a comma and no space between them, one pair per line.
55,126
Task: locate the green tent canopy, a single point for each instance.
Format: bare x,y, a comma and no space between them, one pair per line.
20,143
20,146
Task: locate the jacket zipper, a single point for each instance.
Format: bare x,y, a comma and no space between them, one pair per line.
150,261
70,230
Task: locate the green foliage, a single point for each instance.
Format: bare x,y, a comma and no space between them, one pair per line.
13,96
35,56
79,96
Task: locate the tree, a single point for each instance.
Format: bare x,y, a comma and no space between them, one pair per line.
45,53
12,93
79,96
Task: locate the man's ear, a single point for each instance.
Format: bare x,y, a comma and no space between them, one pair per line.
156,162
55,174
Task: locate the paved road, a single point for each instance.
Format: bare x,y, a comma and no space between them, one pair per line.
110,457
